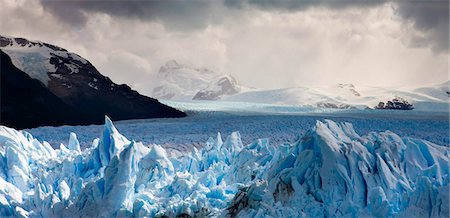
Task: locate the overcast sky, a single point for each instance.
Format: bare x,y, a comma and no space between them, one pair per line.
267,43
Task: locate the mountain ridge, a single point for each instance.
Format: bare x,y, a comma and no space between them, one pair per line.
76,82
178,82
345,96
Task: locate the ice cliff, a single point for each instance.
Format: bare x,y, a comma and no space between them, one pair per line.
330,171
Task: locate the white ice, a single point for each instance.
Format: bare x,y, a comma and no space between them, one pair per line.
330,171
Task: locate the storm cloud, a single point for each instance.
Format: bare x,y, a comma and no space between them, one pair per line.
430,17
181,15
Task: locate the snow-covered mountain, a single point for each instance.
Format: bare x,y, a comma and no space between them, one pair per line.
176,81
331,171
345,96
75,81
179,82
224,86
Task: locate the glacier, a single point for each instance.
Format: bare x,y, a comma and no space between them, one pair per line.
330,171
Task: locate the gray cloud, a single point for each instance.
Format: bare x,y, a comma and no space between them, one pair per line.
181,15
430,17
295,5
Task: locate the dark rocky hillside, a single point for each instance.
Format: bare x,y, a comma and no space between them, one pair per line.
75,93
26,103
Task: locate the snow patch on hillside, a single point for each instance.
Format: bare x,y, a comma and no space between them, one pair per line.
34,57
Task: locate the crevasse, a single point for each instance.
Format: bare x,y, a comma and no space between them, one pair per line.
330,171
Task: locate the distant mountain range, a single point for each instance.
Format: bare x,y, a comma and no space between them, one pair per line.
345,96
43,84
176,81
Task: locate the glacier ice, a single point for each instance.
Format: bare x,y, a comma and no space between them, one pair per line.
330,171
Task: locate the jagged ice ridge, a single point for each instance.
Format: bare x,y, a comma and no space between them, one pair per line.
330,171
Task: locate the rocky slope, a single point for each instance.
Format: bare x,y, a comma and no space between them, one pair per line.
75,82
25,102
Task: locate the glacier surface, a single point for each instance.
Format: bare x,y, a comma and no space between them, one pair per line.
182,134
330,171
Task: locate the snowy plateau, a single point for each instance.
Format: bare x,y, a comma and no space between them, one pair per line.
331,170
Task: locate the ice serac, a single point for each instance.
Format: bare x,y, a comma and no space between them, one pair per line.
111,142
330,171
74,144
333,171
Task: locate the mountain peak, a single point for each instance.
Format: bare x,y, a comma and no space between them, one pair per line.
69,81
181,82
224,85
227,78
8,41
172,64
